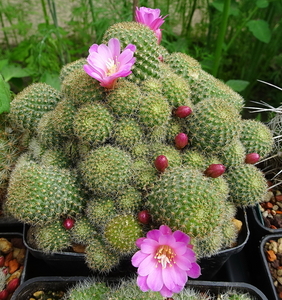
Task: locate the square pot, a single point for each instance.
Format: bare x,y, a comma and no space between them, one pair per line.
56,283
211,265
75,262
10,236
267,284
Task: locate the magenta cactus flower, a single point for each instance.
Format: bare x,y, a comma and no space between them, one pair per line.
164,261
108,63
150,17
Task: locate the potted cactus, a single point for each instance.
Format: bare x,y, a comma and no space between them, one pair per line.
137,138
81,288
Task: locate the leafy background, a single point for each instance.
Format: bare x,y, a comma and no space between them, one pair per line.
236,41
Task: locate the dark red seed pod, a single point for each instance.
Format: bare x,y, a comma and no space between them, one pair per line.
181,140
215,170
144,216
252,158
183,111
68,223
161,163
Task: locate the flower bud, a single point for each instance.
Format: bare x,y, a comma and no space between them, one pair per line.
215,170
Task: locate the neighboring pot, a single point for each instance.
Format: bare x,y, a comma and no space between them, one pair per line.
26,290
268,269
257,226
12,243
9,224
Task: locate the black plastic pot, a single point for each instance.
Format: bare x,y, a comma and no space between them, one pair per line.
25,291
9,224
217,287
211,265
75,262
66,263
52,283
257,226
267,285
10,236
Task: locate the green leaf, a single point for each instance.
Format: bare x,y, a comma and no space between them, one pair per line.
5,96
3,63
260,29
14,71
262,3
237,85
51,79
219,4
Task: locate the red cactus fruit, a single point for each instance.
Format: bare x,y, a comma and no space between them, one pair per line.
68,223
161,163
181,140
144,217
183,111
252,158
215,170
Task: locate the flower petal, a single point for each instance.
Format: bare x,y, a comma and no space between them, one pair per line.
195,271
178,275
114,47
142,283
154,234
147,266
154,279
165,292
137,258
183,262
92,72
130,47
164,229
125,57
149,246
139,242
181,237
167,278
190,254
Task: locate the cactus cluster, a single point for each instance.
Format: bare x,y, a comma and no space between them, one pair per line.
91,155
127,289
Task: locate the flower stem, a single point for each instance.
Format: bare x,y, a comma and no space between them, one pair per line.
220,38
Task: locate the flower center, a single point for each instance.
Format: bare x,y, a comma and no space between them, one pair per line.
111,66
165,255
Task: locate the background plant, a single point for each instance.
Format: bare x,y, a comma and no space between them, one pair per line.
236,41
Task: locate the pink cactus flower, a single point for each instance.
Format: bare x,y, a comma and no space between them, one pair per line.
108,63
150,17
164,261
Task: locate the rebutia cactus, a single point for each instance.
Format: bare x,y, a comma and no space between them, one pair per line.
97,289
52,237
92,150
38,193
87,289
29,105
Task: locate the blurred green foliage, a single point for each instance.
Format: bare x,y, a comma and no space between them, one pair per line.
236,41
